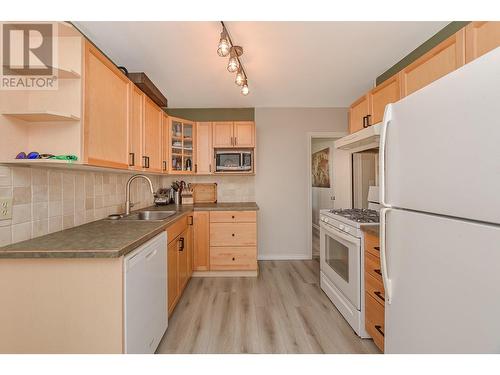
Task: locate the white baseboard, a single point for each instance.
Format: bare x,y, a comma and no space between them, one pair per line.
284,257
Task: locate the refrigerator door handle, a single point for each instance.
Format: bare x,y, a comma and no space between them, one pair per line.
383,255
383,139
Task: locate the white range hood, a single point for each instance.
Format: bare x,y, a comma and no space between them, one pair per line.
365,139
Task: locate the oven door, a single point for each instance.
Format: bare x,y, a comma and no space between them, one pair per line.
340,259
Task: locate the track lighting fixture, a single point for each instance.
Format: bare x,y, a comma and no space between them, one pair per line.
225,48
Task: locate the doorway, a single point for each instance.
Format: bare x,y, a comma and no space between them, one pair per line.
329,182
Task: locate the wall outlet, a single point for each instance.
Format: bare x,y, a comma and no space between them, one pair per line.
5,208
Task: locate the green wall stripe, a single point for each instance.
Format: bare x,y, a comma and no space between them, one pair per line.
441,35
213,114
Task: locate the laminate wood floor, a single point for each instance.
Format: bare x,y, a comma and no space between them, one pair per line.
283,310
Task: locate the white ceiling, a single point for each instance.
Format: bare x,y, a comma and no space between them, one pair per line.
289,64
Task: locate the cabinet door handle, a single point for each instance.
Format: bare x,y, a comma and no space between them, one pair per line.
235,141
379,329
131,159
196,168
164,165
368,120
365,121
210,168
145,160
379,295
181,244
378,272
190,220
376,248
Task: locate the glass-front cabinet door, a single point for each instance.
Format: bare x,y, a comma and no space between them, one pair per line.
182,141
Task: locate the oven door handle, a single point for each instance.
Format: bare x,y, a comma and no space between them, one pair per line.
339,233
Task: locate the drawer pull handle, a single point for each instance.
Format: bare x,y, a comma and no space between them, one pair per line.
232,234
233,258
379,329
376,248
379,295
232,217
378,271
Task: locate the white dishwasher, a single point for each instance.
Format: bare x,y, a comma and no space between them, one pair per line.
145,299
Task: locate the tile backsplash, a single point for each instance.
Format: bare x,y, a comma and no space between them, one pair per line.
47,200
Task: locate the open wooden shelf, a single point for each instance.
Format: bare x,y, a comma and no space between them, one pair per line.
42,116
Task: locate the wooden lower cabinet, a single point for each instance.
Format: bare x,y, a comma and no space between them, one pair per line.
374,320
374,291
201,253
233,258
233,241
179,255
173,275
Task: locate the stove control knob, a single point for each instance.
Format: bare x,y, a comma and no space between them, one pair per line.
325,220
347,229
342,226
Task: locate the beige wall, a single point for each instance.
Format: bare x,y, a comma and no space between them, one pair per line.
282,175
47,200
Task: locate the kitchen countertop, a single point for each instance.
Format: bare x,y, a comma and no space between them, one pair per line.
372,229
109,238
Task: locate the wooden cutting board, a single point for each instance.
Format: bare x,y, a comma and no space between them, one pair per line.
205,193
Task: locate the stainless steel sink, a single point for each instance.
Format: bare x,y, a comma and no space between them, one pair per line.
149,215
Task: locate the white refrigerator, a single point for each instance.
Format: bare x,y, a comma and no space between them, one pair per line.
440,222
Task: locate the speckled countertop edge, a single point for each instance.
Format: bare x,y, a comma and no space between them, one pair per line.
31,249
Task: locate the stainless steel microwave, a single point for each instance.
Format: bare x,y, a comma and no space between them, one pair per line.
234,161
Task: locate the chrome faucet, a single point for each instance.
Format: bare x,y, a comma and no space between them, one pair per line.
127,190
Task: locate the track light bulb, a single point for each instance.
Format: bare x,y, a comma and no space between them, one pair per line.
240,78
233,65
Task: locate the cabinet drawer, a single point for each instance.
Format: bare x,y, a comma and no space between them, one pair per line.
375,288
372,244
233,216
374,321
233,258
176,228
233,234
372,266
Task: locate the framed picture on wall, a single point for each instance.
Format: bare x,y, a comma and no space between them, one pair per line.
321,168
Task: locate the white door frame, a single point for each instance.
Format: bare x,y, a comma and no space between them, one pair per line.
309,138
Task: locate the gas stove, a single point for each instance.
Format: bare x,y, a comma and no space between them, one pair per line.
349,220
359,215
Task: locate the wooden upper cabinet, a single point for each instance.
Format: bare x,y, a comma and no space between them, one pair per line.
223,134
136,123
106,111
201,253
204,150
446,57
165,136
244,134
385,93
481,37
152,145
357,113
